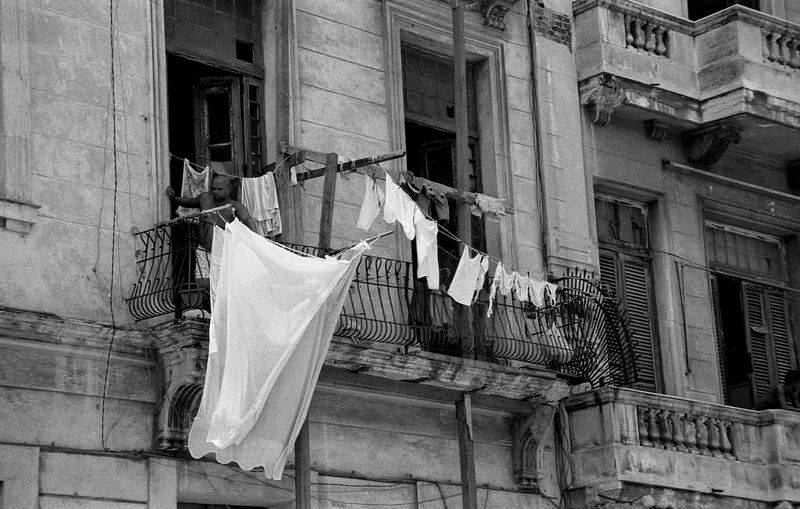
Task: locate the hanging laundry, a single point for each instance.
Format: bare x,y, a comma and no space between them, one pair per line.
193,184
484,268
490,205
436,195
399,207
440,307
374,197
272,321
468,277
551,291
536,289
555,347
502,281
427,250
261,199
522,287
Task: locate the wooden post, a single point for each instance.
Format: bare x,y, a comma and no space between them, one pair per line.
462,121
302,468
466,453
328,199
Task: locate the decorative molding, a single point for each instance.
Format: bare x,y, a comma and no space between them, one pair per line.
493,11
707,144
528,437
655,130
604,99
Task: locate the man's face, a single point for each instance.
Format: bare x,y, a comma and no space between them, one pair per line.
220,188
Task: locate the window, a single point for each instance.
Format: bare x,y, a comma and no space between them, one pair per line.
428,94
754,341
702,8
625,271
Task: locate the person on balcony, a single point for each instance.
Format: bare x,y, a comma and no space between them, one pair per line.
204,233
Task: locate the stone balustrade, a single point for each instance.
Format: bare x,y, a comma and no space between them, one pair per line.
647,35
781,47
697,451
684,432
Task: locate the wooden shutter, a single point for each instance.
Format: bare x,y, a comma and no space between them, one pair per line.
636,287
757,338
628,278
721,357
782,343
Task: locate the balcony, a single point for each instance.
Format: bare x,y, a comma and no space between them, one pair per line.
392,326
737,65
681,453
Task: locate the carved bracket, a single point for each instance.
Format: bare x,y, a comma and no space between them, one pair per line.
528,437
606,97
655,130
182,351
493,11
708,144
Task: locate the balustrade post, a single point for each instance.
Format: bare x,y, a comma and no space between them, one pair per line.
644,429
665,429
783,50
655,436
650,37
638,34
679,431
725,443
628,30
661,43
702,435
765,44
690,434
713,437
794,53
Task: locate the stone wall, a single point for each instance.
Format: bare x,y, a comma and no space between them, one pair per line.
64,264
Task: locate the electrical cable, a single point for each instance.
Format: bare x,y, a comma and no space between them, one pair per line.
113,227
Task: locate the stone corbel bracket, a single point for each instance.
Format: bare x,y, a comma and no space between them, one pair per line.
528,437
605,97
493,11
708,144
182,350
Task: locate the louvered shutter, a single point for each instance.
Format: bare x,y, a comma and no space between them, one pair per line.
608,272
723,372
757,341
636,287
782,346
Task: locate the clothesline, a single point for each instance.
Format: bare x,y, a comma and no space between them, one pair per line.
229,175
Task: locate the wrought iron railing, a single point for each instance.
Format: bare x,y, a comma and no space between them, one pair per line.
582,334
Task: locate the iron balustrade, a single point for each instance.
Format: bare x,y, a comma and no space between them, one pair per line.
582,334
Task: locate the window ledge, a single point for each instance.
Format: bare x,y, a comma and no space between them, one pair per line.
18,216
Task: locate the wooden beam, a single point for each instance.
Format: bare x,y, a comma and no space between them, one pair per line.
302,468
328,201
466,453
451,192
461,180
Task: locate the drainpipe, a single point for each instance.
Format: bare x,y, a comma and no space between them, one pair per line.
537,130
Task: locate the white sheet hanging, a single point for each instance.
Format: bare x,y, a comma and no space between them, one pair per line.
272,321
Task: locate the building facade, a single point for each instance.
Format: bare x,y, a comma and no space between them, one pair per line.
646,153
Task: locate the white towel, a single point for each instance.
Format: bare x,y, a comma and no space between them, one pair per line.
399,207
468,278
427,250
374,197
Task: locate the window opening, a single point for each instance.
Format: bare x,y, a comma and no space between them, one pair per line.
702,8
755,345
625,270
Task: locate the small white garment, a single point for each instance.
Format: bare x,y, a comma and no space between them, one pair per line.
272,321
260,197
468,277
399,207
536,289
374,197
551,291
522,287
427,250
502,281
193,184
